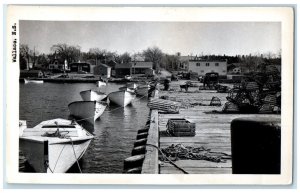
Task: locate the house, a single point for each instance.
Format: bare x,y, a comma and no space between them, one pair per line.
184,60
121,70
102,70
80,67
140,67
134,67
200,66
56,66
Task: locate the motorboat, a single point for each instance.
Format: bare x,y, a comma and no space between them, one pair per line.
87,110
53,146
26,81
92,95
121,98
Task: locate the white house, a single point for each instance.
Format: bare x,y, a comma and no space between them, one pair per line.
202,67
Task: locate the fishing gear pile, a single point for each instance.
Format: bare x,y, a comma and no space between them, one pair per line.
259,92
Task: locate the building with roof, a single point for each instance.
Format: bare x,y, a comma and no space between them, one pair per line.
80,67
201,67
102,70
134,67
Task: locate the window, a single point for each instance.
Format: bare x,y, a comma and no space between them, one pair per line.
216,64
207,64
202,70
197,64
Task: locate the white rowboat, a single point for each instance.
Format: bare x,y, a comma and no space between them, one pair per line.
91,95
101,83
121,98
127,89
33,81
131,85
53,146
87,110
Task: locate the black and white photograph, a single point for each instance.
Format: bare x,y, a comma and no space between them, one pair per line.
149,96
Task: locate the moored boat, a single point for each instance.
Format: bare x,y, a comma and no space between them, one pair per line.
142,90
131,85
53,146
92,95
121,98
87,110
26,80
127,89
101,83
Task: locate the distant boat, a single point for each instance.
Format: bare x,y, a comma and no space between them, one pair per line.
131,85
142,90
26,80
128,77
53,146
92,95
87,110
121,98
101,83
127,89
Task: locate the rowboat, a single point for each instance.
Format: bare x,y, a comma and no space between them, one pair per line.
142,90
87,110
101,83
26,80
121,98
127,89
92,95
55,145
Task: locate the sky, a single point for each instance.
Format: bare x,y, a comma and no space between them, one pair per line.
196,38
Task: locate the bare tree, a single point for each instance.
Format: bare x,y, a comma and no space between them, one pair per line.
66,52
25,56
154,55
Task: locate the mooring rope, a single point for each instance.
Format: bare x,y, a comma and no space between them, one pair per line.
170,161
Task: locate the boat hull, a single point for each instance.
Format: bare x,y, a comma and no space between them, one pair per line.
131,85
121,98
26,81
90,95
88,110
54,154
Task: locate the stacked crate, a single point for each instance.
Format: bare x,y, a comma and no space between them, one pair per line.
181,128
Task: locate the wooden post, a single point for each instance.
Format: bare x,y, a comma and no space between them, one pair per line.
256,145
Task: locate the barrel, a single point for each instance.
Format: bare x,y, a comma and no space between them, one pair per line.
138,150
133,162
256,145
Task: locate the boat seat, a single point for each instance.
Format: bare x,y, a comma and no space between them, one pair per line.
40,132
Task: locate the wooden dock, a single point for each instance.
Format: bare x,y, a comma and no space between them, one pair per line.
212,132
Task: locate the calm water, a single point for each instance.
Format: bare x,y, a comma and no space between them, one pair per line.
115,132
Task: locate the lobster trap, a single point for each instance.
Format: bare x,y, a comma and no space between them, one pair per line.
181,128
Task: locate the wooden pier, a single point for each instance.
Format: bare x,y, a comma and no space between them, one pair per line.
212,132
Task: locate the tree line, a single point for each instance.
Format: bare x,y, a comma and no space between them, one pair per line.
70,53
